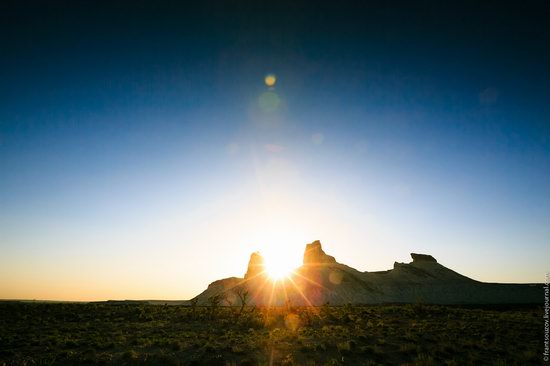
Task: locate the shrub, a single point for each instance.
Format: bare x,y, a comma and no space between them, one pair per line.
344,347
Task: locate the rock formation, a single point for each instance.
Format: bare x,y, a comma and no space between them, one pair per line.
256,266
422,258
314,254
321,279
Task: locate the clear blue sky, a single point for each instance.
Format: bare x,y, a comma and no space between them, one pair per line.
143,156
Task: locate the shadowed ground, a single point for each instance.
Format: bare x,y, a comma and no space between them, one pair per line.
141,333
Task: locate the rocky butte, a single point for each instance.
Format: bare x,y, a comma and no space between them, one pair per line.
321,279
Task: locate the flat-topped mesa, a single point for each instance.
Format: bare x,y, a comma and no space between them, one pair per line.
314,254
256,265
422,258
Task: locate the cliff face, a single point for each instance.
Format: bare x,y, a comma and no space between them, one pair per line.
322,279
256,266
315,255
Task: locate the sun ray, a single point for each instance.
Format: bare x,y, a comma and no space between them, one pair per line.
286,294
300,292
259,291
272,292
309,280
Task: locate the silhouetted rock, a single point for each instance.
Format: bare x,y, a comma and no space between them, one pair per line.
422,258
256,265
314,254
322,279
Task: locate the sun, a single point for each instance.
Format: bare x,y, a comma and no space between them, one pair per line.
280,260
281,246
277,268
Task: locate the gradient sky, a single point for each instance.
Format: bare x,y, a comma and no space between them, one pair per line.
142,155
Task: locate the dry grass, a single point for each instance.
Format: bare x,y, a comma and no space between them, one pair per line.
40,333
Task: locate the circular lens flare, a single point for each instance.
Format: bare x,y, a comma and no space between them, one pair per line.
270,80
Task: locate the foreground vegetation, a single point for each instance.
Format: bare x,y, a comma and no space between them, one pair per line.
135,333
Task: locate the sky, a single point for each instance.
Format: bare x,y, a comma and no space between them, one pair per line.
143,156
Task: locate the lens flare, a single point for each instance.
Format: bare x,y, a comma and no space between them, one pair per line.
269,101
270,80
317,138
